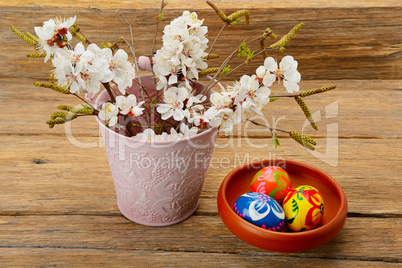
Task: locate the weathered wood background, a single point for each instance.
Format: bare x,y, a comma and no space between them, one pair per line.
57,200
344,41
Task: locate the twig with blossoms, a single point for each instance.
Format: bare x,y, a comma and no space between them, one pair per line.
207,87
242,49
75,31
184,109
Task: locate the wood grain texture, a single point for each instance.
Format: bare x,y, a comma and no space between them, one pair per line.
96,257
361,109
199,4
72,180
358,237
57,198
337,42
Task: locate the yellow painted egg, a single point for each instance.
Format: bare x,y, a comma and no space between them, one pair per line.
303,207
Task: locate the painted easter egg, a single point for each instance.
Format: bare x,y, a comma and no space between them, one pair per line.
304,207
260,210
273,181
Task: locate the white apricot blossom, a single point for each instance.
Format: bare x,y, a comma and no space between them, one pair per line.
182,54
84,69
287,72
195,115
72,70
252,96
147,135
128,105
226,118
109,113
120,71
54,35
174,98
187,131
184,132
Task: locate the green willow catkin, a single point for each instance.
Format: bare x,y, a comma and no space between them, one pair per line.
222,16
267,33
286,38
207,71
58,114
80,37
304,140
308,139
64,107
71,116
86,106
317,90
232,17
56,118
56,121
306,111
239,14
52,78
29,35
53,86
211,56
74,32
82,111
36,55
26,39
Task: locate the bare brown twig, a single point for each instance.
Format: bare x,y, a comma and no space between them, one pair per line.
153,47
131,46
270,128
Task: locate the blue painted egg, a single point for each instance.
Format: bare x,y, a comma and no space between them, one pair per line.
261,210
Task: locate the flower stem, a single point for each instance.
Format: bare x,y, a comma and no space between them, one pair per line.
228,59
109,91
285,95
237,67
146,91
78,96
153,47
216,38
158,115
156,29
131,46
129,130
243,63
270,128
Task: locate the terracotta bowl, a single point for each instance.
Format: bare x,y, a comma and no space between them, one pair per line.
237,182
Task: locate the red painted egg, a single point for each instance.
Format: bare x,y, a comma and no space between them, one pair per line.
273,181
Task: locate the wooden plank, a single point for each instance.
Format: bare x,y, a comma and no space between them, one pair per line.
356,241
352,104
198,4
56,211
336,43
62,184
138,258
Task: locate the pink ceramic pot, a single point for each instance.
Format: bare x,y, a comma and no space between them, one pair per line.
157,183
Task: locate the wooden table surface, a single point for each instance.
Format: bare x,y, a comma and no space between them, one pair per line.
57,199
